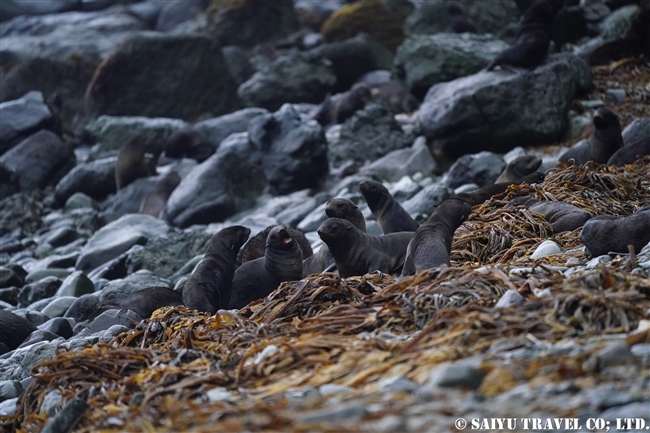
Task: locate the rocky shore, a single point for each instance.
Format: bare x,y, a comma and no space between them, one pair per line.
258,113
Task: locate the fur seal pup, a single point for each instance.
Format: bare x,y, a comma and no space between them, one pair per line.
357,253
188,143
14,328
132,162
144,302
606,233
459,21
154,203
518,168
338,108
605,141
431,243
630,152
256,245
390,215
256,279
561,215
209,287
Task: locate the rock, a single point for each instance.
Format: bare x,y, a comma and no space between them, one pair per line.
616,353
615,96
33,317
294,151
167,254
462,374
58,306
498,110
635,131
110,318
511,298
222,185
368,135
249,22
76,284
307,215
432,17
292,78
384,22
115,291
41,289
60,236
78,200
397,384
39,160
83,307
634,412
117,237
482,169
96,179
68,417
128,199
424,60
22,117
9,295
9,407
402,162
352,58
59,326
9,389
218,394
175,14
334,414
618,22
115,268
333,389
546,248
9,278
239,65
19,365
196,81
422,204
219,128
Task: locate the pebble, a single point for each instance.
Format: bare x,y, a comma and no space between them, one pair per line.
510,298
462,374
593,263
9,389
51,403
641,350
615,96
218,394
342,412
397,384
58,306
76,284
68,417
9,407
333,389
546,248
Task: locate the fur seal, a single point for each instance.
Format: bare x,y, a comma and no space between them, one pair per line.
518,168
132,162
562,216
335,208
15,329
605,234
431,243
338,108
390,215
209,287
256,245
630,152
605,141
188,143
257,278
154,203
357,253
146,301
459,21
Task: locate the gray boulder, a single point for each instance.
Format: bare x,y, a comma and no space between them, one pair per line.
128,199
117,237
219,128
481,168
294,151
118,289
19,365
422,204
22,117
638,129
402,162
96,179
499,110
39,160
292,78
34,292
222,185
424,60
195,83
368,135
76,284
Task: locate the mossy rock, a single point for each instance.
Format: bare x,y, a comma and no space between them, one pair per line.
381,19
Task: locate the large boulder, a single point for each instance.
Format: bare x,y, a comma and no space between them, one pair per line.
499,110
219,128
39,160
251,22
292,78
222,185
22,117
425,60
96,179
294,151
117,237
154,75
128,199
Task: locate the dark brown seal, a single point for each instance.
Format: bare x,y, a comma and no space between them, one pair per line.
256,279
518,168
322,259
605,141
256,245
630,152
390,215
338,108
154,203
188,143
605,234
132,162
209,287
15,330
562,216
357,253
431,243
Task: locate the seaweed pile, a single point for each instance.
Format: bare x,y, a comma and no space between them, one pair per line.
182,370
